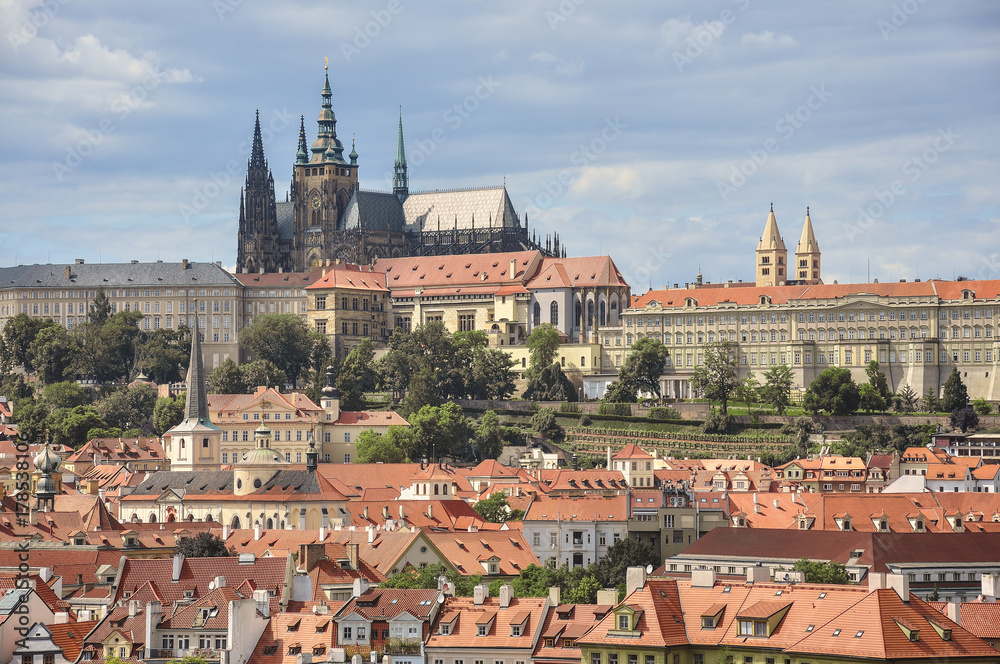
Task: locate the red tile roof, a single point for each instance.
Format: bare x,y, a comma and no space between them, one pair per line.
69,637
351,277
197,573
583,508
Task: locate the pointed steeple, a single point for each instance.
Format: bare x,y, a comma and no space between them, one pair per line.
326,147
354,154
196,404
302,154
771,239
257,151
807,255
400,181
771,255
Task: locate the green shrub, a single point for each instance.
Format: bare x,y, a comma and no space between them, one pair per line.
569,407
585,421
663,413
717,423
618,409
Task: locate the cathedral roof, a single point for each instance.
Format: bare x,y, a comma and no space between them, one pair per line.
286,219
375,211
463,208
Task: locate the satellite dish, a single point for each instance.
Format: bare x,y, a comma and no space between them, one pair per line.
649,569
787,576
440,599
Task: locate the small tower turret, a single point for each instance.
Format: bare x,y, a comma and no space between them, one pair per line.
400,181
46,462
772,256
807,255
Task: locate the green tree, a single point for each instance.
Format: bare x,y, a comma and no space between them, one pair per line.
964,418
282,339
906,400
621,391
357,375
204,545
373,447
748,392
544,422
54,354
261,373
878,381
777,388
427,348
982,406
494,509
833,391
820,572
438,432
718,377
163,355
227,379
168,413
100,308
489,438
30,417
643,366
869,400
956,395
484,372
931,401
550,384
69,426
427,577
543,344
129,407
422,392
18,335
108,351
66,394
321,358
610,570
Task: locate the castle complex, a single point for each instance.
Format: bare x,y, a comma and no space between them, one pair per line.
327,215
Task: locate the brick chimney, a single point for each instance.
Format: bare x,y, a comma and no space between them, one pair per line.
352,554
310,554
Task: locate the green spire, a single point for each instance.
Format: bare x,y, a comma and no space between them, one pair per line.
400,181
354,154
302,156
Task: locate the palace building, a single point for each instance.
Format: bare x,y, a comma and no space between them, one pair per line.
327,216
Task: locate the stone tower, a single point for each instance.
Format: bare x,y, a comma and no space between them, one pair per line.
258,242
772,257
194,443
322,185
807,256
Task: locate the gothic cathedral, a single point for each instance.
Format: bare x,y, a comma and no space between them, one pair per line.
327,216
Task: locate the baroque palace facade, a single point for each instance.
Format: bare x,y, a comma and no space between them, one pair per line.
328,217
917,331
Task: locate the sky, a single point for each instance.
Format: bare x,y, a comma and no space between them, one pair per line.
659,133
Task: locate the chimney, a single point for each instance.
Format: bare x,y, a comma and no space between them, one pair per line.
755,498
220,582
45,574
352,554
360,587
990,587
184,264
256,531
402,513
176,571
775,502
513,268
901,584
153,610
310,554
225,532
506,592
480,594
385,512
607,596
609,457
371,534
758,574
141,443
69,272
555,595
635,579
263,600
954,611
876,581
430,511
364,513
133,608
322,533
702,578
60,618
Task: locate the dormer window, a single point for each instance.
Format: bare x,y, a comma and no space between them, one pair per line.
482,630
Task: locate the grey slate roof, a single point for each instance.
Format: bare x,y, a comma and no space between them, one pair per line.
92,275
376,211
207,482
461,206
286,219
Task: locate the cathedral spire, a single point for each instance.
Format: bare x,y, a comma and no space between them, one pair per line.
257,151
196,404
326,147
302,155
807,255
400,181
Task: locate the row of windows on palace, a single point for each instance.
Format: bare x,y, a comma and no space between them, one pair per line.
811,335
840,317
288,457
849,357
602,315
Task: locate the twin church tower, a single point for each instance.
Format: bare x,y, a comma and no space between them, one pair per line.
773,268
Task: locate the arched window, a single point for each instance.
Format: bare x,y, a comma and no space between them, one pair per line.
436,486
590,313
152,518
537,314
603,316
554,313
235,523
208,517
270,524
579,315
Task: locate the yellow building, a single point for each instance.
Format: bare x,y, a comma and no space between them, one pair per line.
348,303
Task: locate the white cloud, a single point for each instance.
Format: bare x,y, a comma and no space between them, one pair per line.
677,34
767,39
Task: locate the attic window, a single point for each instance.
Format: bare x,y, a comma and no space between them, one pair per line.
859,634
810,628
271,649
836,632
